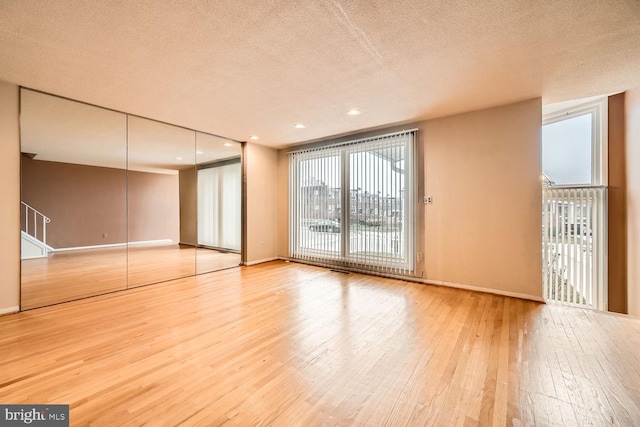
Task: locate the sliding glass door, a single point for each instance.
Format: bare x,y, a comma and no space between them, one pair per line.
378,217
320,204
350,204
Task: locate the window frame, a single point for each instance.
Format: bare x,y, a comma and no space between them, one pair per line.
599,136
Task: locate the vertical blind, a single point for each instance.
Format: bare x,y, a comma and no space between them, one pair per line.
574,242
219,199
351,204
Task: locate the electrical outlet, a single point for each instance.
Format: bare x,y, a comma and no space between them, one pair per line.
428,200
104,235
419,256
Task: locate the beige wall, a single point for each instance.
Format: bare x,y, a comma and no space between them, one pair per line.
484,226
261,166
632,142
188,207
9,198
154,207
483,171
85,203
88,204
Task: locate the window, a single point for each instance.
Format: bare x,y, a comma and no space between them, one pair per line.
574,204
574,146
356,173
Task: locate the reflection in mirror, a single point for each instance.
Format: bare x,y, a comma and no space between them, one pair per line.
219,193
157,153
73,200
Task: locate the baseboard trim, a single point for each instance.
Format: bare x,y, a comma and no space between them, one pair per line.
427,281
9,310
112,245
33,257
485,290
261,261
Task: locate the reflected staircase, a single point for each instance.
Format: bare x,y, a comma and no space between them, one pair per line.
33,233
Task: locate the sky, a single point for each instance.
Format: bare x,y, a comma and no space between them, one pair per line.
566,150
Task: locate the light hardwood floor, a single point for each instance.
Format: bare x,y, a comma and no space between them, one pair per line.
289,344
66,276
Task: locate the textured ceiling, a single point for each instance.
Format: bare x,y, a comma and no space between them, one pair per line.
237,68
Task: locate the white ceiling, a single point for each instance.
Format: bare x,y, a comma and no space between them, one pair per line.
237,68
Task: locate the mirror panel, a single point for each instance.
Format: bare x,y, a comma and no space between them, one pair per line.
111,201
218,183
73,193
157,152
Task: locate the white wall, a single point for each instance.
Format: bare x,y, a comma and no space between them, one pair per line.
261,166
9,198
632,143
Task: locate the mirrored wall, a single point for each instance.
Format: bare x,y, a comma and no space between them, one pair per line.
111,201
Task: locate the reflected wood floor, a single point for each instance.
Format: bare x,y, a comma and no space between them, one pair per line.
288,344
66,276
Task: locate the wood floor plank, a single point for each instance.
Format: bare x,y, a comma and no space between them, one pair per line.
289,344
67,276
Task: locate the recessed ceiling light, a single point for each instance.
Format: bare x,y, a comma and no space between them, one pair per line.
199,152
178,158
254,137
353,112
299,126
228,144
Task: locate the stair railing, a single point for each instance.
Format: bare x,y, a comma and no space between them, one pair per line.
33,217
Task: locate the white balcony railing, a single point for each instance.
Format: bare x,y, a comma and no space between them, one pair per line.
34,223
574,224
